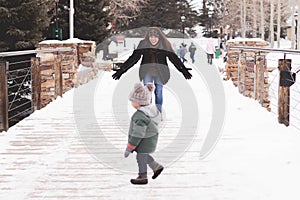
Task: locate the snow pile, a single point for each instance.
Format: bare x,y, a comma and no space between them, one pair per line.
68,41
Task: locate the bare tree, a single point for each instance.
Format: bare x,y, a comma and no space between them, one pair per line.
233,14
293,9
244,16
249,15
124,10
297,25
272,23
255,14
262,20
278,22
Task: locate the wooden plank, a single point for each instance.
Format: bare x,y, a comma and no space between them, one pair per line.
241,73
3,97
58,77
46,67
259,78
36,83
284,95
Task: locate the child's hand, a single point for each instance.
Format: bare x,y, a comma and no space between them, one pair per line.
129,149
127,152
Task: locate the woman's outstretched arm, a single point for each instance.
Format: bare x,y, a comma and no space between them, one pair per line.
132,60
179,65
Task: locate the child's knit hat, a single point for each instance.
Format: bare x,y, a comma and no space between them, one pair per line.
141,94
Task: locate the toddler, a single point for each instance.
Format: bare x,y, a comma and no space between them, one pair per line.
143,132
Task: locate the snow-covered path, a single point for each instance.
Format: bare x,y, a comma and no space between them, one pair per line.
73,148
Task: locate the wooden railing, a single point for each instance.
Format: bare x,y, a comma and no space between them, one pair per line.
20,84
287,94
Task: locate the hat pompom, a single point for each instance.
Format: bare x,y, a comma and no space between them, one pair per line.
150,87
138,85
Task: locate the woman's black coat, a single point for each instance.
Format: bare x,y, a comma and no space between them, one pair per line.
157,56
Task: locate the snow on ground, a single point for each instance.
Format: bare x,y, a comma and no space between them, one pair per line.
255,158
264,159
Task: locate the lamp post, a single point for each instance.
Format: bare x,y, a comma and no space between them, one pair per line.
296,28
182,21
71,19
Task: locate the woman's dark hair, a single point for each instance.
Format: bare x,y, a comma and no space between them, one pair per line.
166,45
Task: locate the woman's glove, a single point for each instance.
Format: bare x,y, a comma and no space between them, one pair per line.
118,74
186,73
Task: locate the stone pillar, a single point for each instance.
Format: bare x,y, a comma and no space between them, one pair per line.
59,69
247,69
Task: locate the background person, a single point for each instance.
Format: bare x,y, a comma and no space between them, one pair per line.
192,49
210,50
182,52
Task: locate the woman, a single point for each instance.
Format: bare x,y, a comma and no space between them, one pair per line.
155,48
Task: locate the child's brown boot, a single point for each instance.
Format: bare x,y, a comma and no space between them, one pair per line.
140,180
157,171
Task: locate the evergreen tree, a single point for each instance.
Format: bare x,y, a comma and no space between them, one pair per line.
206,17
91,19
22,23
166,14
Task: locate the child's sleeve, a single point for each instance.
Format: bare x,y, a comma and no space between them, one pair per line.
138,132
